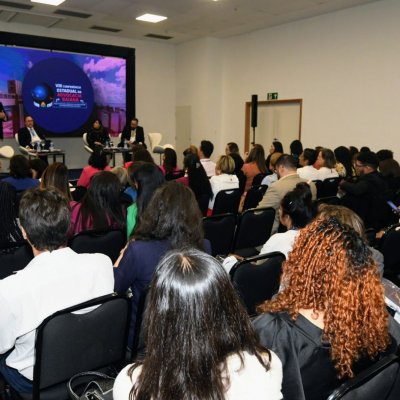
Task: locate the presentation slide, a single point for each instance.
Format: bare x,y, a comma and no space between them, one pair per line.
63,92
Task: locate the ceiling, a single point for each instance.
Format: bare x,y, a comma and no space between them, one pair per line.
187,19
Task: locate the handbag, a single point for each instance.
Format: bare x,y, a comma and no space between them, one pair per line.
91,385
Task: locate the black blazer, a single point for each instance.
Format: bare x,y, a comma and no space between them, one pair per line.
24,136
1,120
126,134
100,135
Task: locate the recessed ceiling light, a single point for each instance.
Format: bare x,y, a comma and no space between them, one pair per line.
49,2
151,18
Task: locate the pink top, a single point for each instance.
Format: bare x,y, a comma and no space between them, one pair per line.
87,173
250,170
184,180
163,170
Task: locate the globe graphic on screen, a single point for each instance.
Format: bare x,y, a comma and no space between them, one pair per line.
42,95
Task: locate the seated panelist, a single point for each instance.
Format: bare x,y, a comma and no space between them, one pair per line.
97,135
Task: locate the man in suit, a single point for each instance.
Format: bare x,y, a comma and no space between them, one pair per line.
134,134
29,135
288,178
3,117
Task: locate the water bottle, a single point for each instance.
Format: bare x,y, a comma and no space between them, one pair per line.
125,144
38,146
51,146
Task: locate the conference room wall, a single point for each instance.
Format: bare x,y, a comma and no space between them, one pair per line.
344,65
155,85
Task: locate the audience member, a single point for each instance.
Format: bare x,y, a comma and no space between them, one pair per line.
288,178
98,161
171,220
296,148
365,149
37,166
122,175
327,164
276,147
196,178
55,279
254,165
390,171
56,176
205,150
367,196
100,208
384,155
135,148
169,166
295,212
344,164
10,233
97,135
20,174
192,149
222,360
223,179
330,321
353,151
273,177
232,149
307,160
346,216
146,177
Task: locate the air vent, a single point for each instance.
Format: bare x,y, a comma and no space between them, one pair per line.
105,28
16,5
155,36
72,14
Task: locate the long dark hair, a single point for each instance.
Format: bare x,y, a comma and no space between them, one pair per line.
19,167
147,177
101,207
195,320
10,233
198,180
56,175
172,214
298,205
170,160
98,159
343,156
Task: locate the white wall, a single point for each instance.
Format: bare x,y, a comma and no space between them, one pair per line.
344,65
155,84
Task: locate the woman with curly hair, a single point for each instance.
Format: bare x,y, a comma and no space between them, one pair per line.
200,341
330,321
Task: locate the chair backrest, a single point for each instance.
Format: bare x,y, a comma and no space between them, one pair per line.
16,138
14,259
227,201
86,143
389,246
220,231
154,139
254,228
72,340
328,187
254,196
258,179
6,152
380,381
109,242
256,283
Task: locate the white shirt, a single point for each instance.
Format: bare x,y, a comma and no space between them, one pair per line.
282,242
209,166
308,172
326,173
222,182
51,282
269,179
34,136
250,382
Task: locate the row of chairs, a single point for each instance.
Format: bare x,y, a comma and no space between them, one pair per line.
239,234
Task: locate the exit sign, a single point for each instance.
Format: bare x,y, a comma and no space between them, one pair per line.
272,96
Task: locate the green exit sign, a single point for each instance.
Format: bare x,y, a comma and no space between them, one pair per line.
272,96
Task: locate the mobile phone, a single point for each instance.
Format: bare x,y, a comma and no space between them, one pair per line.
393,207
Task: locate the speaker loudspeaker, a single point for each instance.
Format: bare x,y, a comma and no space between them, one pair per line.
254,107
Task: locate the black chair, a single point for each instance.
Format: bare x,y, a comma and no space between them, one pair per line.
380,381
227,201
68,343
14,259
254,196
220,231
389,246
258,179
256,283
328,187
109,242
254,229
